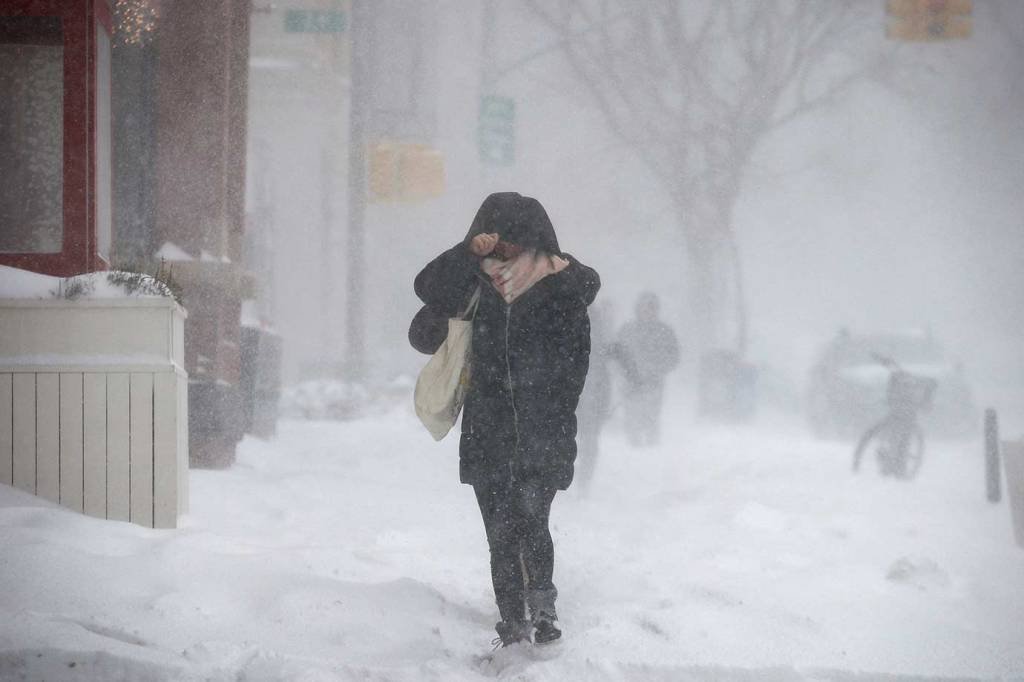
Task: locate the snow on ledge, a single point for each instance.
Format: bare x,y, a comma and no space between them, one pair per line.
172,252
82,360
207,257
16,283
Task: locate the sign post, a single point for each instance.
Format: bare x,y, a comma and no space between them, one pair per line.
992,482
1013,464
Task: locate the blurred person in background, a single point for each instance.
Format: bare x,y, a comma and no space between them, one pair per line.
596,406
652,346
530,354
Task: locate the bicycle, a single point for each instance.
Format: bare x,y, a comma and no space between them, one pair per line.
897,440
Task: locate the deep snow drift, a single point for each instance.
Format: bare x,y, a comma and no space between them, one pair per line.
348,550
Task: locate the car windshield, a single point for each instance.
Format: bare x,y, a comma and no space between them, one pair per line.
904,349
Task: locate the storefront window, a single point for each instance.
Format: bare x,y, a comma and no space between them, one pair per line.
31,135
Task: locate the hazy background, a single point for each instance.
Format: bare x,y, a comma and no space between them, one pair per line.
898,206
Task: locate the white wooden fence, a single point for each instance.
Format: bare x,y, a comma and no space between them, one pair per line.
94,405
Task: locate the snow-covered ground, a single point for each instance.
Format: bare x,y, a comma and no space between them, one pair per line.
350,551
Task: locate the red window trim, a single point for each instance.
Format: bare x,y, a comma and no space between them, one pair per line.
78,22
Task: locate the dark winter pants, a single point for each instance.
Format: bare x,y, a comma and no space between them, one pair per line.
587,438
643,413
515,518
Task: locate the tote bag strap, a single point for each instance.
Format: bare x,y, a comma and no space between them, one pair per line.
470,312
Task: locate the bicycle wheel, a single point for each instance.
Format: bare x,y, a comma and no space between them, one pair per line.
914,454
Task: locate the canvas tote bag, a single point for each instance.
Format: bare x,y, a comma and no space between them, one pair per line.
442,384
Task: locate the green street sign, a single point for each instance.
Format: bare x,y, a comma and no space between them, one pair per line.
496,131
314,21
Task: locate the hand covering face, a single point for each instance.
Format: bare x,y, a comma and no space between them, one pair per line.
513,278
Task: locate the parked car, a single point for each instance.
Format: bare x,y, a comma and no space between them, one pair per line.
847,389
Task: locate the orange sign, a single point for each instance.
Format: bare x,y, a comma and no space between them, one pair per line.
929,20
402,171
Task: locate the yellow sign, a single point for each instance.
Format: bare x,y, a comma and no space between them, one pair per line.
401,171
929,20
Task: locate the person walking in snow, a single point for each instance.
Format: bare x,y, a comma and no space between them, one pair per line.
595,406
530,354
654,350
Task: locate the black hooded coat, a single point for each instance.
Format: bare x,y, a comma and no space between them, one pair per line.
529,358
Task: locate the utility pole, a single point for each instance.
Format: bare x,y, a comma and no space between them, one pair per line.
496,114
487,57
355,314
329,277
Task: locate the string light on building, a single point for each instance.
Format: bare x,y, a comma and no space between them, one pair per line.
136,20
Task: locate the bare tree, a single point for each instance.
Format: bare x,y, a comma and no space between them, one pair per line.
694,87
1008,16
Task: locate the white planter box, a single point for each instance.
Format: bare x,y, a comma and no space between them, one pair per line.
94,405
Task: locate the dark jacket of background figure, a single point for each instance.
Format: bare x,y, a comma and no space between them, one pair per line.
653,350
529,359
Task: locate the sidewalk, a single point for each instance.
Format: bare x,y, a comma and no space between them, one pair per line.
350,551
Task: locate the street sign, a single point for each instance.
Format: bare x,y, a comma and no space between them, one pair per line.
496,131
314,21
929,20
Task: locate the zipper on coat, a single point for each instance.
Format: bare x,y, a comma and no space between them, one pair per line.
511,393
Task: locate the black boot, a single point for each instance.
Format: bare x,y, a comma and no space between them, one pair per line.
511,632
542,615
545,630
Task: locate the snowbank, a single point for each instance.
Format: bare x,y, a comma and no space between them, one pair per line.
348,550
343,400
